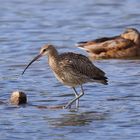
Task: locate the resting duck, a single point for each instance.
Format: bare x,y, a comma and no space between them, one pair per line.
126,45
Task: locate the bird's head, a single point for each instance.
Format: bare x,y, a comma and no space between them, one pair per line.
45,50
131,34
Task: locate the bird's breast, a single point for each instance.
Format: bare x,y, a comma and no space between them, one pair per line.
70,78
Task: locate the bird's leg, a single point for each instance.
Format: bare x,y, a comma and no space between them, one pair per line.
82,91
77,101
77,98
76,95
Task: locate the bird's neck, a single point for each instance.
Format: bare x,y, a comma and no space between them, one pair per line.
52,58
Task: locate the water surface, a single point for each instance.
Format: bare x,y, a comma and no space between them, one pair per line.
106,112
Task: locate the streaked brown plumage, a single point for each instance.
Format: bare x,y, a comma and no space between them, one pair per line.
71,69
126,45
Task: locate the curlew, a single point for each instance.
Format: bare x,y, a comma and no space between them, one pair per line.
71,69
126,45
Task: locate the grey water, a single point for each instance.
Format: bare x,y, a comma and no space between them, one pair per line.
106,112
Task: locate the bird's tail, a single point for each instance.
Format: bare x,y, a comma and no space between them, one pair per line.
81,45
103,80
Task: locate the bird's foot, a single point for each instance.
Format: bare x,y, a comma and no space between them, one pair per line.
67,107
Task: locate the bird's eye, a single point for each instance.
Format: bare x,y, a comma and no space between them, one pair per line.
126,32
44,50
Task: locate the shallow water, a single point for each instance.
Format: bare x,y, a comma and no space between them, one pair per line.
106,112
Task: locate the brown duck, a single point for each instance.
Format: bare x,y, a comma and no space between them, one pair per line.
126,45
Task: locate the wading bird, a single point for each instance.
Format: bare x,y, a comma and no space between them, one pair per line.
71,69
126,45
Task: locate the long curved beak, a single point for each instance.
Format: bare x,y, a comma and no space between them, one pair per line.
37,57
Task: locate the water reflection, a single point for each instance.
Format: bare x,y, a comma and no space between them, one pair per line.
77,119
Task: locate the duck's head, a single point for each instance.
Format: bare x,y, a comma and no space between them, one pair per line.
47,49
131,34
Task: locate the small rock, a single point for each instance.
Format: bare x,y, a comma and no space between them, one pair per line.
18,97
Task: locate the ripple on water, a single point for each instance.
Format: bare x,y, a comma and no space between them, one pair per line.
106,112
